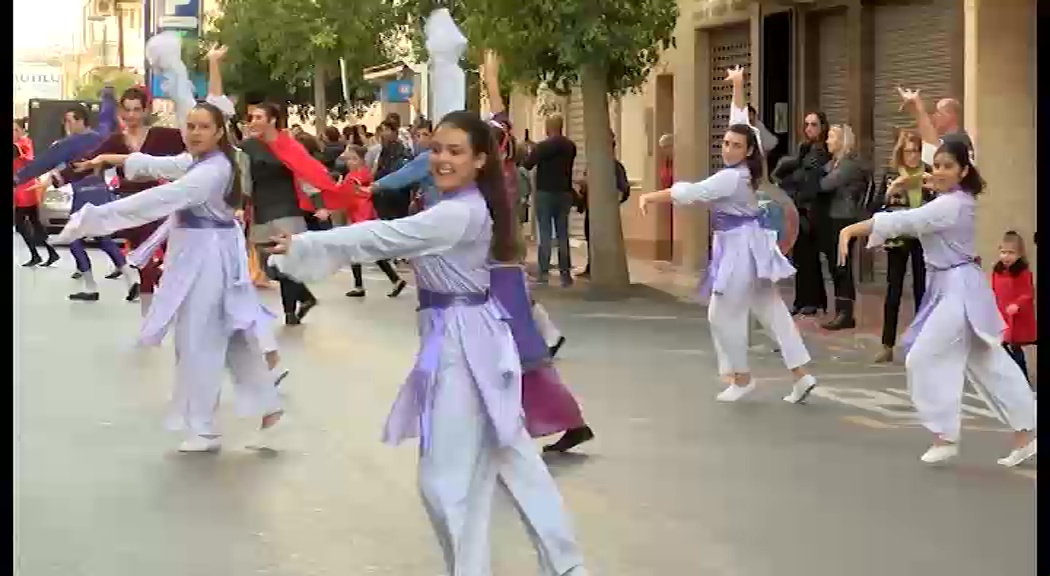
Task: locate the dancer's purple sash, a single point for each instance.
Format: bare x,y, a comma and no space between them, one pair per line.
413,408
935,286
508,287
720,222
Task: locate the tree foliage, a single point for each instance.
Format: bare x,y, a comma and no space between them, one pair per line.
89,87
549,41
275,45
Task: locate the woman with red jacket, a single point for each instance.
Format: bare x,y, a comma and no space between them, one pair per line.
361,178
27,205
1015,296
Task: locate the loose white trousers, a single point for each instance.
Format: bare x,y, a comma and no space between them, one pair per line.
946,353
204,346
459,473
728,314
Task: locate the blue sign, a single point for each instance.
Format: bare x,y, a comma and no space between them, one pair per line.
200,86
398,91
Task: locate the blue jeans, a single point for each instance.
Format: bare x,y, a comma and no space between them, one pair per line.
80,255
552,211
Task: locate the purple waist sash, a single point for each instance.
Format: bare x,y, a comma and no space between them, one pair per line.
720,222
934,287
187,219
415,400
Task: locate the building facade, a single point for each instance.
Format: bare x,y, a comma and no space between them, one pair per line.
845,57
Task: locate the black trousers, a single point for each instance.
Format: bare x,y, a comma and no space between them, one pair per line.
809,279
32,231
1016,351
392,204
841,276
896,268
384,265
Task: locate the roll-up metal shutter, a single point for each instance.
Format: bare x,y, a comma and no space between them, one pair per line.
730,46
832,72
915,46
575,131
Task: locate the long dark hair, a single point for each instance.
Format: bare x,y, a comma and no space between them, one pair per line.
960,152
489,180
235,195
754,160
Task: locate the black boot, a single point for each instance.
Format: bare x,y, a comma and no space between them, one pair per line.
52,257
33,261
844,319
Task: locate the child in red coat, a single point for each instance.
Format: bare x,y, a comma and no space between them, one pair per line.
1015,296
361,176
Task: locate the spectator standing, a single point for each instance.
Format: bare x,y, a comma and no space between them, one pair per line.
1015,297
553,160
902,188
666,171
391,203
842,191
800,177
622,186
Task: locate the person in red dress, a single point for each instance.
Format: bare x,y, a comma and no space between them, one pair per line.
27,204
1015,295
139,136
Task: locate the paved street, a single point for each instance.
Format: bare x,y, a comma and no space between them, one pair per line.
675,483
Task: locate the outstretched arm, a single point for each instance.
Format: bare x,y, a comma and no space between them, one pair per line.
490,71
312,256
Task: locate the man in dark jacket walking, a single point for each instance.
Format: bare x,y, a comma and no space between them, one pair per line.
391,204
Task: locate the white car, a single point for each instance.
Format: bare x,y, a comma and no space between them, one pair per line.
55,207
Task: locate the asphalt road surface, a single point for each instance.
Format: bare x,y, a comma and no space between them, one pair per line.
674,483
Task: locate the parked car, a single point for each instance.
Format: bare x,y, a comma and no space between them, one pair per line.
55,207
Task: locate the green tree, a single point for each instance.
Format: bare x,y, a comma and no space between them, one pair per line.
606,47
93,82
282,49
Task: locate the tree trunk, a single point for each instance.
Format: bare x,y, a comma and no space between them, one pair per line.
608,258
320,104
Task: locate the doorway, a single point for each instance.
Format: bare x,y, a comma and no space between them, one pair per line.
664,120
776,112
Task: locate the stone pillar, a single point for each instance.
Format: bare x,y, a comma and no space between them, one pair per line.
1000,114
692,93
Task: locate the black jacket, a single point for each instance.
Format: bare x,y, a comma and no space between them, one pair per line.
800,175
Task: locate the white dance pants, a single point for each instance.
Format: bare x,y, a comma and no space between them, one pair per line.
203,348
458,477
728,314
946,353
548,330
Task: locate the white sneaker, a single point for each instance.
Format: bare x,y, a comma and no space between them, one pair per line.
939,454
278,375
200,444
801,389
1019,455
734,392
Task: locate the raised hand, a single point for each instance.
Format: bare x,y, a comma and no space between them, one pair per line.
734,74
909,98
217,53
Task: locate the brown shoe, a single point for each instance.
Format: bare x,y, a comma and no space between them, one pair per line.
886,356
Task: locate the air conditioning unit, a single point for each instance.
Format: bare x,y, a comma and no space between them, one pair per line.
102,8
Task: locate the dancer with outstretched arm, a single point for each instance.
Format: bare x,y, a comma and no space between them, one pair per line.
956,334
206,296
746,260
463,397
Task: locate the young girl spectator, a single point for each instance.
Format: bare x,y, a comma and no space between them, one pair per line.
1014,294
358,172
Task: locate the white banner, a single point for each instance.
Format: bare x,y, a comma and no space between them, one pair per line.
37,81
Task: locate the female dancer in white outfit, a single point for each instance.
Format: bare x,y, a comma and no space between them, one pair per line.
206,292
463,398
957,332
746,261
